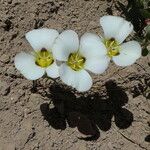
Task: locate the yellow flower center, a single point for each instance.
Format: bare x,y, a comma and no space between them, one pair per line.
113,47
44,58
76,61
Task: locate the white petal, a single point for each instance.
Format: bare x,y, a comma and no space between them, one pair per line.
53,71
80,80
97,65
67,75
129,53
25,63
124,31
66,43
84,81
42,38
116,27
91,46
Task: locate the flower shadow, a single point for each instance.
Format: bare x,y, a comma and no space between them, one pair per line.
89,114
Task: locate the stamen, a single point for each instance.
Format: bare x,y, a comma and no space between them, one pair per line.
44,58
76,61
113,47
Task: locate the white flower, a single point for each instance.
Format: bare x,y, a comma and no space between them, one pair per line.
34,65
77,58
116,30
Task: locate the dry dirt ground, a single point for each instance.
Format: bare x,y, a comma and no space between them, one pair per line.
113,115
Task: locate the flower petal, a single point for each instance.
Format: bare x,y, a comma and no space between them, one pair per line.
91,46
42,38
25,63
66,43
53,71
80,80
116,27
97,65
129,53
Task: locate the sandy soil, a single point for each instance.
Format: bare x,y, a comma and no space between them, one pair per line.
113,115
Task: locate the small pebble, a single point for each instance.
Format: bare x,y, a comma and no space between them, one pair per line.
5,58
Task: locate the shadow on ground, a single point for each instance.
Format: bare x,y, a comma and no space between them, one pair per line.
89,114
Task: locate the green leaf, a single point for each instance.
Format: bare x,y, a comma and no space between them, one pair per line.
145,52
146,3
139,39
139,3
147,29
145,13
